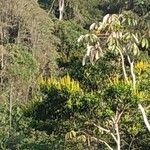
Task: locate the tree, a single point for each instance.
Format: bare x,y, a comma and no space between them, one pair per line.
120,33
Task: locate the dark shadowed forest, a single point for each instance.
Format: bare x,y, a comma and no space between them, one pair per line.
74,75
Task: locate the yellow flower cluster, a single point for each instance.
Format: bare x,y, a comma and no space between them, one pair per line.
117,81
141,66
141,94
62,83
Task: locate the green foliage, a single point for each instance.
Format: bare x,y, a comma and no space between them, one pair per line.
53,108
22,63
79,109
68,32
21,135
82,12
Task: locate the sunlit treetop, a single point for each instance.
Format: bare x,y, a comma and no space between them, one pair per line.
117,33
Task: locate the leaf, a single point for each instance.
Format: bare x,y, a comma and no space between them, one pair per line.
135,22
129,21
145,43
97,55
134,48
114,34
105,18
70,135
67,136
92,55
69,103
128,36
135,52
92,26
113,47
100,26
73,134
94,37
81,138
114,17
89,49
135,38
84,60
86,37
80,39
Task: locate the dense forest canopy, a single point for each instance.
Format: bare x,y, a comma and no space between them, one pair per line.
74,74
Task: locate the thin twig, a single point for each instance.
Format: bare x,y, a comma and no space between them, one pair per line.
101,128
131,143
106,144
51,7
106,130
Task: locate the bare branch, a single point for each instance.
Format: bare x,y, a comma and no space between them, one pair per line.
118,136
106,144
51,7
106,130
113,137
120,114
101,128
144,117
131,143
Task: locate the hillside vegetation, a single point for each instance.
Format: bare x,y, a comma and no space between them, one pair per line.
74,74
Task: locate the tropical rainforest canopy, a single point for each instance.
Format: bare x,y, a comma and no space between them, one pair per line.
74,74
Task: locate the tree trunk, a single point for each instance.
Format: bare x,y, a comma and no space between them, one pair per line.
61,9
123,65
132,71
144,117
118,136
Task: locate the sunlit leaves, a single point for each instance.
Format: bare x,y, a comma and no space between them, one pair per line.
93,26
145,43
93,53
106,18
92,38
70,135
73,136
117,31
65,83
142,66
81,38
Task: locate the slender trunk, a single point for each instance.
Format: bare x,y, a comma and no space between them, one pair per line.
2,60
116,120
2,66
2,52
10,108
61,9
133,74
144,117
51,7
123,65
19,35
132,71
118,136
